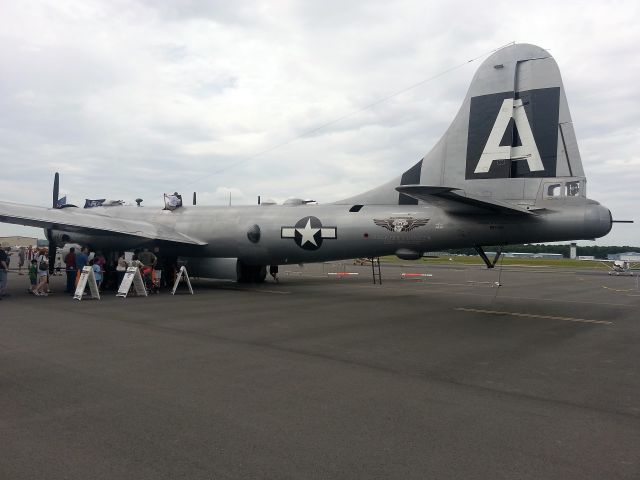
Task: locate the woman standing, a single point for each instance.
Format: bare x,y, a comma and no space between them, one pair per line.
121,267
43,274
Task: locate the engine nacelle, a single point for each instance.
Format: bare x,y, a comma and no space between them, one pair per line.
99,241
61,238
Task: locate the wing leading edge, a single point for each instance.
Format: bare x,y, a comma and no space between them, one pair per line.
79,220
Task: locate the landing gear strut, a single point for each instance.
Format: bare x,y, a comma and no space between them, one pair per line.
485,259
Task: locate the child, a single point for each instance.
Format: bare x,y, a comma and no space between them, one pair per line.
97,272
33,276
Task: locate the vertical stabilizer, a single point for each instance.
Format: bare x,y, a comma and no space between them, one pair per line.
512,131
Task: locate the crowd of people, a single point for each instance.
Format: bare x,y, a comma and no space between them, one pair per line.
4,270
157,271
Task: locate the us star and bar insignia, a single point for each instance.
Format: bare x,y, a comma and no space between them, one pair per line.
308,233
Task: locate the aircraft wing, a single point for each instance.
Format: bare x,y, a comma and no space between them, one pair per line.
454,200
79,220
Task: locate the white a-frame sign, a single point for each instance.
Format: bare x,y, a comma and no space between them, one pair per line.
182,273
87,277
132,277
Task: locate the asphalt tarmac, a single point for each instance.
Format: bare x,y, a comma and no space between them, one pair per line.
321,376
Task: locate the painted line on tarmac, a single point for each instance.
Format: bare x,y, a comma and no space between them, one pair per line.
421,289
581,302
259,290
471,283
306,275
623,290
279,292
533,315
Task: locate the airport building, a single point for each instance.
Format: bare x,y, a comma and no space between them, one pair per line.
626,256
17,241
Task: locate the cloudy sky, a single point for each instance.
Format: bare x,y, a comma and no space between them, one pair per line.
132,98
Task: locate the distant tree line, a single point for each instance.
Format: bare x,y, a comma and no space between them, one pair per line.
596,251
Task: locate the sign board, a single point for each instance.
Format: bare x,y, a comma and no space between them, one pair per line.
87,277
132,277
181,273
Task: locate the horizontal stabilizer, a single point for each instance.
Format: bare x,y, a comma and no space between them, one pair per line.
454,200
73,219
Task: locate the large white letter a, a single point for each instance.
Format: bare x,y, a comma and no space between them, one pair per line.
494,151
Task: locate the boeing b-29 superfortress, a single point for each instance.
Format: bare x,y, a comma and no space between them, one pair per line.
507,170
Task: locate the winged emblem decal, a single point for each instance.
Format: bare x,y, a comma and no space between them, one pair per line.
400,224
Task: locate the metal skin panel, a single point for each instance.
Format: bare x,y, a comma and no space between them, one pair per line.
445,203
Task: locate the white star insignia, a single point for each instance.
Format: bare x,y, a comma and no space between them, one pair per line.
307,234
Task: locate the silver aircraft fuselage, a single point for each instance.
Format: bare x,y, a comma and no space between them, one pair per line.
262,235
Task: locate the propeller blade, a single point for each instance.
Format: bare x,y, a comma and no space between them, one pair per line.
52,251
56,189
194,198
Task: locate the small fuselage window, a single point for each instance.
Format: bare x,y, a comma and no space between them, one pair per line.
554,190
574,188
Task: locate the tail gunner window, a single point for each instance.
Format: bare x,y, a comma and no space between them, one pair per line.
572,189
